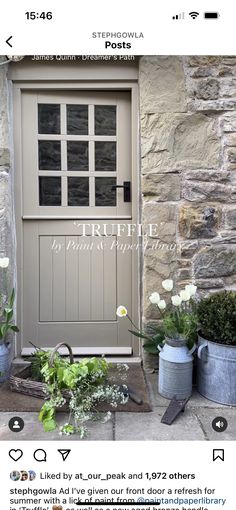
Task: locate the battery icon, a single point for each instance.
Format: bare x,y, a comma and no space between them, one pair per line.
211,15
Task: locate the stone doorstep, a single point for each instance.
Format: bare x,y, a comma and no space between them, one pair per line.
20,362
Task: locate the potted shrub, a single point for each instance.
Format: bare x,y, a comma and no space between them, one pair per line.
6,323
216,373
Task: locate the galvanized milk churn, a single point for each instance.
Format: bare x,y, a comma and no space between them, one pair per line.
175,369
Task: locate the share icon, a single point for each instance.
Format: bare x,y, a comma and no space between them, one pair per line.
64,453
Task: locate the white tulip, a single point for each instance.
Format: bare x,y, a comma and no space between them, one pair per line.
161,304
154,298
4,262
168,285
185,296
176,300
191,289
121,311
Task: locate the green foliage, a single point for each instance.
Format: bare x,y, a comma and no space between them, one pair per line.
177,322
151,341
6,320
217,317
86,382
37,360
182,322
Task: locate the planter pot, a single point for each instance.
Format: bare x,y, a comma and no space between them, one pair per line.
216,374
175,369
5,363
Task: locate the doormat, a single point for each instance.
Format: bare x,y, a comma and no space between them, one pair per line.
16,402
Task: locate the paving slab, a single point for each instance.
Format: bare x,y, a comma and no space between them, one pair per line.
196,399
148,427
33,429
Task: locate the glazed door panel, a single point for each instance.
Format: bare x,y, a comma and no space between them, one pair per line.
76,148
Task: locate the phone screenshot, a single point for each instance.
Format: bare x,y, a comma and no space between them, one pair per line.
117,256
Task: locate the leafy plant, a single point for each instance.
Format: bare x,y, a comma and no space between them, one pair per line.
6,318
178,318
87,386
151,341
217,317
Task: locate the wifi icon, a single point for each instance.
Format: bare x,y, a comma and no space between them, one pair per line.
194,14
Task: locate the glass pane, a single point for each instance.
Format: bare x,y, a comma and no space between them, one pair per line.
77,119
49,155
104,194
105,120
77,156
78,191
49,191
49,119
105,156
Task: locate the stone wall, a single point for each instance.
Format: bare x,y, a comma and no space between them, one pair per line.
188,151
7,232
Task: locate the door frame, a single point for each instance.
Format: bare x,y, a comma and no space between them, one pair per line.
41,84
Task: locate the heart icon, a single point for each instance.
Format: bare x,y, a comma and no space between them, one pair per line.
15,454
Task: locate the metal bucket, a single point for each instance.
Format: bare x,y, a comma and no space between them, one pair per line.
4,363
216,372
175,370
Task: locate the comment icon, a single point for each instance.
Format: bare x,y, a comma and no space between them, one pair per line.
40,455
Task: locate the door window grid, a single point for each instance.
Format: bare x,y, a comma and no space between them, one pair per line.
94,176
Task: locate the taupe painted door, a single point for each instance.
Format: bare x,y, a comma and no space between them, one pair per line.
76,146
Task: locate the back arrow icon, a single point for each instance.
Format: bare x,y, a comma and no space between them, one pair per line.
7,41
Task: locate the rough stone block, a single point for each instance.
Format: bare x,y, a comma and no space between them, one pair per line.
205,191
4,157
228,87
164,187
184,274
158,265
212,283
206,60
212,105
202,72
162,84
176,142
226,238
215,261
225,71
232,155
230,218
207,175
164,216
208,89
188,248
160,256
229,122
199,222
230,139
229,60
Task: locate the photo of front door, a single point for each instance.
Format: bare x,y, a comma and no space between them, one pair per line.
76,208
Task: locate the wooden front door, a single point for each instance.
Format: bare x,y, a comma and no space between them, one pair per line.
76,147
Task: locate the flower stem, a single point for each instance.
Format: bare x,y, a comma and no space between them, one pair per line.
132,322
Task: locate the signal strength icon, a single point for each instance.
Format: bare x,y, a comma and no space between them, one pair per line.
194,14
178,16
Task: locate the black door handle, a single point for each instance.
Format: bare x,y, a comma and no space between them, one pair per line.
127,190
